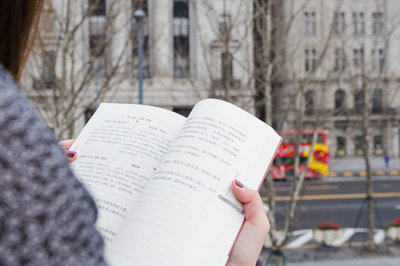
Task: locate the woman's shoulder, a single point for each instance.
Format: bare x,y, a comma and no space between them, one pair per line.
22,130
14,105
41,199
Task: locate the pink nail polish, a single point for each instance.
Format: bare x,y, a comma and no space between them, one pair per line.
71,154
237,182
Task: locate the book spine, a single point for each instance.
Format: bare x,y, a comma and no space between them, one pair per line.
259,187
270,163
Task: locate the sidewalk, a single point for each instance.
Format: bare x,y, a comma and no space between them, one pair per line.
333,256
394,261
357,164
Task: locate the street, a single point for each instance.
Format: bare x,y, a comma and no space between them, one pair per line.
339,200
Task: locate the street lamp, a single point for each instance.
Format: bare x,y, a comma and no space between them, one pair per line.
139,16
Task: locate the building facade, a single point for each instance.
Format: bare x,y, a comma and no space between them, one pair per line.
191,50
341,66
332,60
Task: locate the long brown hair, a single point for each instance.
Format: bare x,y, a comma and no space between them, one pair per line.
19,20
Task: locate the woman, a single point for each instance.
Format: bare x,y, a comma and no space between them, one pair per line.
46,216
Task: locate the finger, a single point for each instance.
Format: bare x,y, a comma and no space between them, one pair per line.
252,205
71,156
66,144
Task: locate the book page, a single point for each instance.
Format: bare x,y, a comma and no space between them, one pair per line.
188,215
118,151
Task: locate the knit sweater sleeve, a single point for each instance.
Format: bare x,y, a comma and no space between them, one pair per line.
46,216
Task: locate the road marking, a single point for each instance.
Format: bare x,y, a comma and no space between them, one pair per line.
305,235
300,232
348,173
348,232
302,240
332,174
393,172
362,173
304,246
321,187
379,236
283,188
353,244
379,173
358,179
338,196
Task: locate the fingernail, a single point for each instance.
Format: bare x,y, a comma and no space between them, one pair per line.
237,182
71,154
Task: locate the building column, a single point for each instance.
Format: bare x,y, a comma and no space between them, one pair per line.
394,147
370,140
161,39
350,141
120,44
387,137
331,141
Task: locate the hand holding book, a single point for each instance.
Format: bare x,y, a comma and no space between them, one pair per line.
162,182
255,228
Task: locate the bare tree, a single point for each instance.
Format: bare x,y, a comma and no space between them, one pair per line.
369,75
279,97
73,64
362,70
224,35
280,80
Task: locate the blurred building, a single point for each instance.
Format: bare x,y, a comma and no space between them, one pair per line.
330,59
339,61
191,50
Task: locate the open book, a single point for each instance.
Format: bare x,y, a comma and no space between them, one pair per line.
162,181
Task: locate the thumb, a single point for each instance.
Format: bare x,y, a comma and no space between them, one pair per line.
66,144
252,204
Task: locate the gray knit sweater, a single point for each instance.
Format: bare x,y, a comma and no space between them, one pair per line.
46,216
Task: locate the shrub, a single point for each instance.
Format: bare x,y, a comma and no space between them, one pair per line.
394,223
277,228
327,226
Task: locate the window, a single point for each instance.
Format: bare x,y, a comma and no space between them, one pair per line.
48,70
181,39
51,20
97,53
358,57
224,24
358,23
97,7
340,141
97,25
377,101
358,101
310,59
340,60
181,27
140,28
310,23
340,23
226,67
377,23
309,101
97,36
340,96
378,141
139,4
359,141
378,60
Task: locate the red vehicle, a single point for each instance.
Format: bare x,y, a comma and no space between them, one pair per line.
283,164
